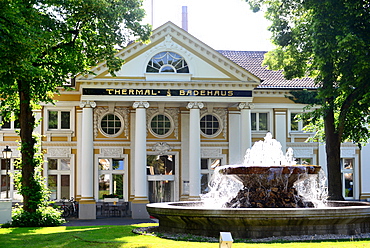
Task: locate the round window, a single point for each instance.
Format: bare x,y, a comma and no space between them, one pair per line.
209,125
160,125
111,124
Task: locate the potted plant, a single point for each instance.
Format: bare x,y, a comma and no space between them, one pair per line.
110,198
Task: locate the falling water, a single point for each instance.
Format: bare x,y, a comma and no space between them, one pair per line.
278,185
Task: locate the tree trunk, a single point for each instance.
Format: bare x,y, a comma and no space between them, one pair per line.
332,140
27,123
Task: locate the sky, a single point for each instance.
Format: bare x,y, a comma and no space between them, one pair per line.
221,24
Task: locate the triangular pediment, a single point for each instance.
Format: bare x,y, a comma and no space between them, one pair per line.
205,63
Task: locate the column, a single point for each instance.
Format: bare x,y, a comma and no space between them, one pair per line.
87,205
245,126
281,127
365,172
185,155
79,154
194,149
141,183
234,126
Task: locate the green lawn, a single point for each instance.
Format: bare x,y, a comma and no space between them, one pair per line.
122,236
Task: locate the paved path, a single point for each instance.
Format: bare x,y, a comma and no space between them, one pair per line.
106,221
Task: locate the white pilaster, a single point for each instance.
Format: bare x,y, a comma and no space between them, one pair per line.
322,158
365,172
79,154
185,155
141,183
87,208
245,126
38,116
194,149
281,128
235,156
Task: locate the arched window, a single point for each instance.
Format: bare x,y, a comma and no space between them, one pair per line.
167,62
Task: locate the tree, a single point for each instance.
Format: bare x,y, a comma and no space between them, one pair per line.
328,40
45,42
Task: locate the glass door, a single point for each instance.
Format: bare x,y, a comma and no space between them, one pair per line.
161,177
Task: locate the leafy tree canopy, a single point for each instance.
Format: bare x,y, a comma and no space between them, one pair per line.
46,42
328,40
43,43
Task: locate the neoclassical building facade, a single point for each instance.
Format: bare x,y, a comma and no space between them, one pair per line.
156,130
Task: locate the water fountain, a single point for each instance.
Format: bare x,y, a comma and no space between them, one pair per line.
269,195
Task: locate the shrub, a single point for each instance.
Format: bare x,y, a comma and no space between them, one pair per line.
44,216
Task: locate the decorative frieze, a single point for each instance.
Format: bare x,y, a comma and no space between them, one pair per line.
111,152
161,148
211,152
347,152
61,152
303,152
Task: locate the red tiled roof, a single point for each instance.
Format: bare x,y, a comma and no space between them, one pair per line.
252,62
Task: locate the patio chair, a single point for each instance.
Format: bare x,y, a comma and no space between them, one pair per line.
123,208
105,209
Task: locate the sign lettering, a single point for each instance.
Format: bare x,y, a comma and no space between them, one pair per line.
167,92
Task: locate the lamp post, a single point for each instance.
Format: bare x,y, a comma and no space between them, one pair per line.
7,154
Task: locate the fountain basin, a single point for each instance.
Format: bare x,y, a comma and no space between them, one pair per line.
269,176
339,217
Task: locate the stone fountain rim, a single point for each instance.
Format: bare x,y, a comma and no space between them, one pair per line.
261,169
345,205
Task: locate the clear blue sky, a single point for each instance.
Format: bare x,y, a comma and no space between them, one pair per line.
221,24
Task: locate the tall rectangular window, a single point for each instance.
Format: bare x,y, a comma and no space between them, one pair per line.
259,121
161,172
111,177
59,177
59,119
295,123
65,120
347,175
14,124
59,185
207,166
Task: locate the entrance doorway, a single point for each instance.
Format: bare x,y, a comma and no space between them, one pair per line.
161,171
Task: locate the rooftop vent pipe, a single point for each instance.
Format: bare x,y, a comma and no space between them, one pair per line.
185,18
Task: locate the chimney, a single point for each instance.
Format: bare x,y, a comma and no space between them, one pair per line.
185,18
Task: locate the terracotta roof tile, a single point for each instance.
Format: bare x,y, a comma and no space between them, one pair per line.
252,62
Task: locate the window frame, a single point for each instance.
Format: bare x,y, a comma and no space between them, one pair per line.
172,65
347,171
209,171
173,178
12,190
97,173
220,125
59,132
59,173
12,124
268,121
170,131
296,133
299,123
120,117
